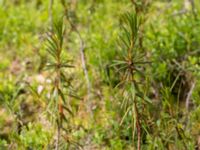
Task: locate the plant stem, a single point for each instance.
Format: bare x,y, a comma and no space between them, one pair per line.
57,85
83,59
187,102
138,126
58,136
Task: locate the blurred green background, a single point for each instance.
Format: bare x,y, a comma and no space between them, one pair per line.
170,37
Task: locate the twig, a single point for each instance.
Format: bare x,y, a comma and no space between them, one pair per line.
187,102
138,126
58,137
181,12
83,58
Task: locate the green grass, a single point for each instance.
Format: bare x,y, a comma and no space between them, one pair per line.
170,37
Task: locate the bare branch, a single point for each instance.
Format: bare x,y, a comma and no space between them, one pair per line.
187,102
83,58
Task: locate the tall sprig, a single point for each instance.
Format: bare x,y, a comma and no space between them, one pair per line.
58,64
128,66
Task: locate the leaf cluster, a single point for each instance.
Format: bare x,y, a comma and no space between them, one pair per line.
132,57
54,46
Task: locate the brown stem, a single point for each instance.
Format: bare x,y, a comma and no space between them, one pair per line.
138,126
57,86
58,136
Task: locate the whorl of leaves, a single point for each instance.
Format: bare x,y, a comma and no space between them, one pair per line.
54,46
132,57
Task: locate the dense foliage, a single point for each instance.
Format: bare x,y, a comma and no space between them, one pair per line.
99,74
